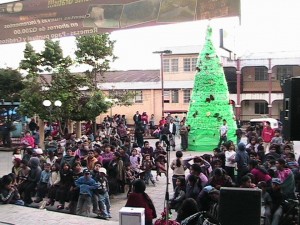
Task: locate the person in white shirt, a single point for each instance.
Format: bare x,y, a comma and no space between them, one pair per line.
172,129
230,163
223,133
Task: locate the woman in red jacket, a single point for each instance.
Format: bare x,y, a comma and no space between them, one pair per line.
138,198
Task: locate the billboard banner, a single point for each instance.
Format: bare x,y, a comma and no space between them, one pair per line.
30,20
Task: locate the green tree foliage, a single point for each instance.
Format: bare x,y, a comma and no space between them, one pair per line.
10,85
97,52
209,101
81,100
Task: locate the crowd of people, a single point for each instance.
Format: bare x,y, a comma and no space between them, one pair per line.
87,171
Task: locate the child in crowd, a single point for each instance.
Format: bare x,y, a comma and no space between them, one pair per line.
135,160
86,184
147,166
129,177
23,173
8,192
179,194
53,183
42,187
17,154
160,163
16,166
95,197
103,189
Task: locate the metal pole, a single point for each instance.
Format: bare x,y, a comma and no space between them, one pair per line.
162,84
167,197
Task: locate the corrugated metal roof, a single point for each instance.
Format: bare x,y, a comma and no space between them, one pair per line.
130,76
271,55
180,50
186,84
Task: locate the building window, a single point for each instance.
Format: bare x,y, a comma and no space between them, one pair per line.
186,96
261,73
261,108
284,72
194,64
138,98
187,64
166,65
174,65
166,96
175,98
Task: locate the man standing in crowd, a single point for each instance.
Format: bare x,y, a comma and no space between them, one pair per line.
137,118
267,135
172,129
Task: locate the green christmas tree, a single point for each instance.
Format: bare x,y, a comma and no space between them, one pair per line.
210,103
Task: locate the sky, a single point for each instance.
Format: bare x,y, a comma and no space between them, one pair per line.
266,26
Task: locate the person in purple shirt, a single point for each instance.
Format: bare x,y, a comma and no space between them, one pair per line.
107,155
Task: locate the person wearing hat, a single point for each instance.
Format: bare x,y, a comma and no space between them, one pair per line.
104,202
277,199
86,184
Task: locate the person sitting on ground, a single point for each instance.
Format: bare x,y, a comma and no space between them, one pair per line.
139,198
259,173
16,166
220,179
28,140
8,192
42,187
31,181
246,182
188,208
179,194
66,181
53,184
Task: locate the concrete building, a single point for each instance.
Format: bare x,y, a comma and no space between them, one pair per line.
254,83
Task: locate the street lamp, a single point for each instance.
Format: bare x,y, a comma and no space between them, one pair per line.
49,107
162,77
